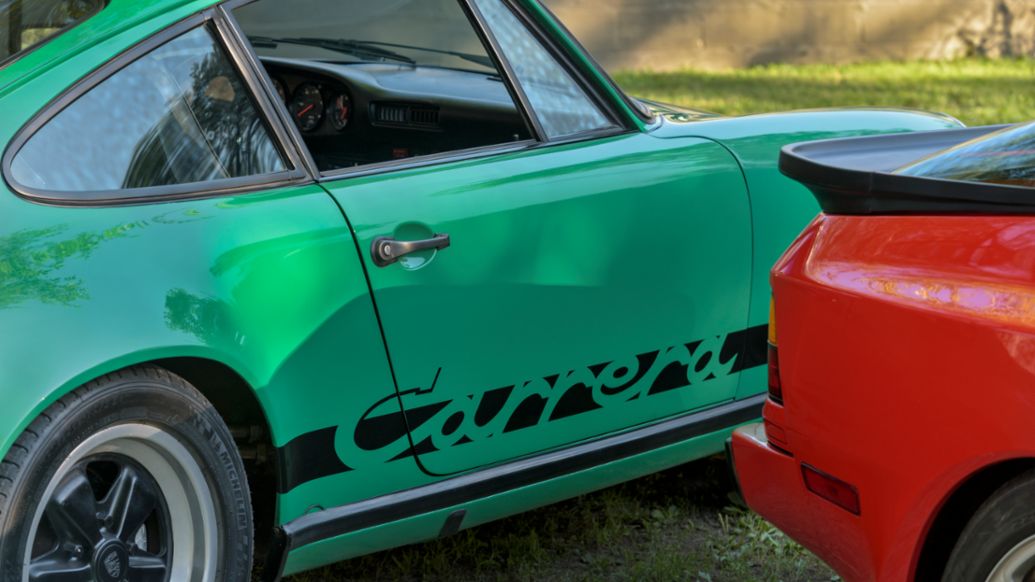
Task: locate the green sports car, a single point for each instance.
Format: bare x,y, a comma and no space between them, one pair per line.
351,275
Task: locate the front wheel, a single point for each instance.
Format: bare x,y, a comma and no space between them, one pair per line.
998,544
133,477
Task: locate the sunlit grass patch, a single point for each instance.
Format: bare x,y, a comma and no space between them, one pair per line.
977,91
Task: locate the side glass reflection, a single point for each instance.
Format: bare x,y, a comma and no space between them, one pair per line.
560,104
179,115
32,263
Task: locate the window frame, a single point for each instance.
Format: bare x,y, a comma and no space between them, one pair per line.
10,60
286,137
295,174
488,38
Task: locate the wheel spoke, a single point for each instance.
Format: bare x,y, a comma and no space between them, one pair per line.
51,569
146,569
72,510
130,502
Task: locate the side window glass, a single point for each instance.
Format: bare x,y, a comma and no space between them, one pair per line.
561,106
179,115
372,82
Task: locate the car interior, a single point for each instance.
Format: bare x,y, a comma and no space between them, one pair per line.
360,93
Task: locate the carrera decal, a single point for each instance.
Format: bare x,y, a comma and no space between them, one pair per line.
383,433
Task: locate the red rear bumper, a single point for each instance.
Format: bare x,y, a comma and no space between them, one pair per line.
772,485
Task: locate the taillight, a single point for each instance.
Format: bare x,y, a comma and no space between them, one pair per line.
832,489
775,386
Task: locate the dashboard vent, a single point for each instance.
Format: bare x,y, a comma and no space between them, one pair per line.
416,116
424,116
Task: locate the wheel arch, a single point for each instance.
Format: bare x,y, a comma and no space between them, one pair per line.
232,394
956,511
236,401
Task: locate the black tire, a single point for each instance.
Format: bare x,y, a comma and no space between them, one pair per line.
1000,528
116,432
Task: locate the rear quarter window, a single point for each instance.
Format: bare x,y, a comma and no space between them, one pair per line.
179,116
26,24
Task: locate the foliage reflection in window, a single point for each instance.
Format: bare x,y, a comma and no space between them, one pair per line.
179,115
562,107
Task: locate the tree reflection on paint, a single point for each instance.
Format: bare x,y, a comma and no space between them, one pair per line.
32,261
201,317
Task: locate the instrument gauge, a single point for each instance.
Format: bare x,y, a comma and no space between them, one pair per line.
307,107
339,112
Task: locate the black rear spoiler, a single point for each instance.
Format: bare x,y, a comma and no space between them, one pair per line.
855,176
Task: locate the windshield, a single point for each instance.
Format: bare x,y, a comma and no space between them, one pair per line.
1003,157
420,33
25,24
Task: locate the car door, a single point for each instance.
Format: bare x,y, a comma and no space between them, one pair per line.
543,272
588,286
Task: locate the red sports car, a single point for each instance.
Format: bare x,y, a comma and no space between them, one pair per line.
899,434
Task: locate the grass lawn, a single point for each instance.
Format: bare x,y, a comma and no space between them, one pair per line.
978,92
676,525
680,525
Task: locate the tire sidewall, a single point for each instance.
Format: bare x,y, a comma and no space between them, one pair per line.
1000,525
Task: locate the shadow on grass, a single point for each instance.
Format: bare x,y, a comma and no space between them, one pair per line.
675,525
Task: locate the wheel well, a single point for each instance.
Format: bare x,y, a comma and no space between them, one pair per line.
957,510
234,400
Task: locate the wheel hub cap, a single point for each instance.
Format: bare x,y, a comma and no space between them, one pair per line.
111,562
116,508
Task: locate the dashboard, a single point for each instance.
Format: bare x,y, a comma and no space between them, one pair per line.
354,114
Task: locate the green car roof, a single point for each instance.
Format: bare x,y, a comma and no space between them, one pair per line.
116,18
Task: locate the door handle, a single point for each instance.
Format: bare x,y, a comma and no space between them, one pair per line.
387,251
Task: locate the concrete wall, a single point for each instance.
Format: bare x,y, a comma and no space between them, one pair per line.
667,34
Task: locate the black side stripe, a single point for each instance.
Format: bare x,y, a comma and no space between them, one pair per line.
338,521
749,346
309,457
312,455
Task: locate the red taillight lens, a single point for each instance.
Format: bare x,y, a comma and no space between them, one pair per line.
832,489
775,387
